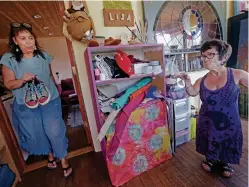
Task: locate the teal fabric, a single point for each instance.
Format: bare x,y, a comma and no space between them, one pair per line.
35,65
122,100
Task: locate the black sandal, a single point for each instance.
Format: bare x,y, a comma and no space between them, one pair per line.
227,168
66,169
53,162
210,164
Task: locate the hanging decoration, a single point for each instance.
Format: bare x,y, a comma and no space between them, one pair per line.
78,25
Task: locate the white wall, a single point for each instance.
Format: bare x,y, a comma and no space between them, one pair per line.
79,49
96,11
57,47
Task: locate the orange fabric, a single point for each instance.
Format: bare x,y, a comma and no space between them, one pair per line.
138,92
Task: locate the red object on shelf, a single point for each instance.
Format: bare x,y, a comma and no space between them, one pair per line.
124,62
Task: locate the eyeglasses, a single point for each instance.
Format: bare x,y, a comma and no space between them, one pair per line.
18,24
209,56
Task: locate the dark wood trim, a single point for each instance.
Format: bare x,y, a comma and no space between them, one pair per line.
11,139
76,80
71,154
78,90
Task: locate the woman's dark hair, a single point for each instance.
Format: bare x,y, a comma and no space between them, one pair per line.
223,48
13,47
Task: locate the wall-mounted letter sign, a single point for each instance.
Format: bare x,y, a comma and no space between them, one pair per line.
118,18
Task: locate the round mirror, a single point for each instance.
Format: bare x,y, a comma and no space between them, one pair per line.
186,24
190,22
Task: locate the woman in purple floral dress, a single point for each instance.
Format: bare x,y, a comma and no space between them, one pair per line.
219,133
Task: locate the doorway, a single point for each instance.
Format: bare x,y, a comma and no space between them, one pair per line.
51,39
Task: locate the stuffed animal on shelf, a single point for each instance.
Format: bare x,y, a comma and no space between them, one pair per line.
79,25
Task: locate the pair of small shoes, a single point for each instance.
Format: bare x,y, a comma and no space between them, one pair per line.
36,93
67,171
52,164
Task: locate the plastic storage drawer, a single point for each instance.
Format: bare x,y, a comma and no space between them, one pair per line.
182,137
183,122
181,106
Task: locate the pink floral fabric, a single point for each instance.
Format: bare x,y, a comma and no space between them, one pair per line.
144,144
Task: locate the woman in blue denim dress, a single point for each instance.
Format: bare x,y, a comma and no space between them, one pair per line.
37,113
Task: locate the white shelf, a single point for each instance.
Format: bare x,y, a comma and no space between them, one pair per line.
179,53
98,83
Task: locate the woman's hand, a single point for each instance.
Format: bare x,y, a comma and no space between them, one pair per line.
191,90
185,77
27,77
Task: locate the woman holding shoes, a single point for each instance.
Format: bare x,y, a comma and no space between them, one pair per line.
219,132
37,107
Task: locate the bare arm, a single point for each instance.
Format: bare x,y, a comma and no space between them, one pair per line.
192,90
10,81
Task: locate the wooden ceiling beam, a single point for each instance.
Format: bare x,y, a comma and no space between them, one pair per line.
23,11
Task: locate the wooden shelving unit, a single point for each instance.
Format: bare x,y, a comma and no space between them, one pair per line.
141,51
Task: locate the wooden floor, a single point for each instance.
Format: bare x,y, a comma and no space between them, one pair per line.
184,170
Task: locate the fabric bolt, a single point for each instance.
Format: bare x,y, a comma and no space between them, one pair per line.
115,69
219,133
41,130
121,101
103,66
102,97
105,106
107,102
107,124
139,91
113,89
154,93
126,111
121,120
143,144
106,109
